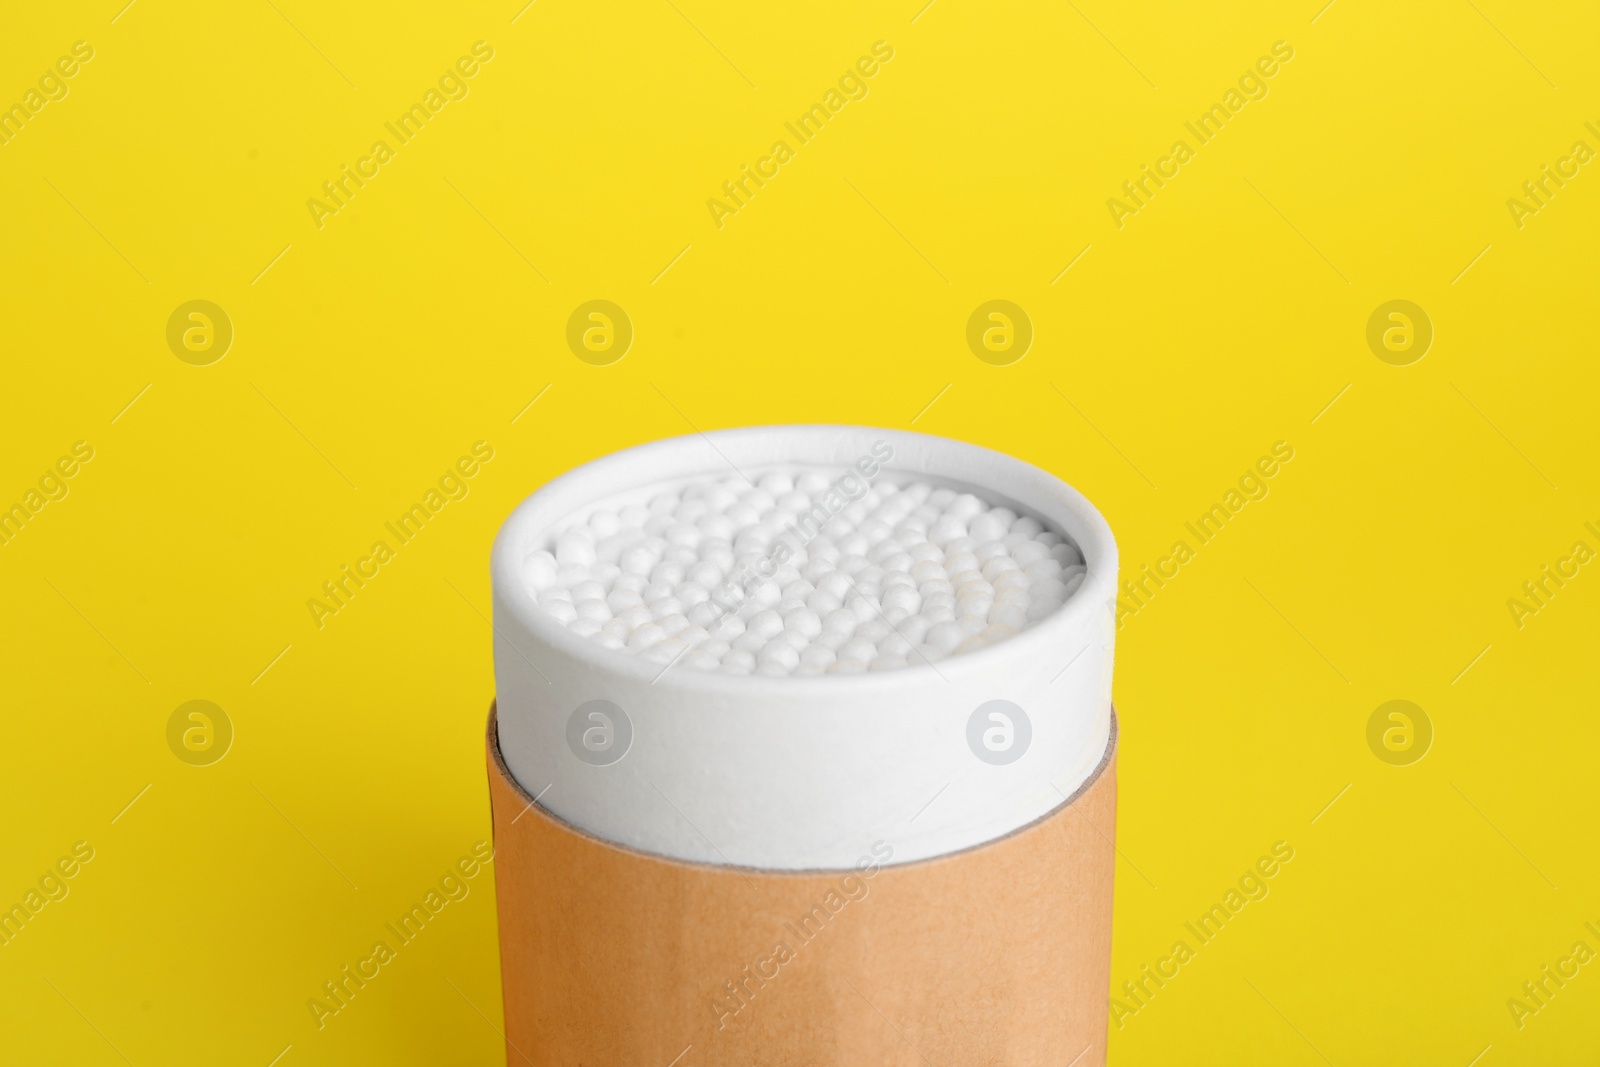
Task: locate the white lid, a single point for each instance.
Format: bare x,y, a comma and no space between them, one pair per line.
799,773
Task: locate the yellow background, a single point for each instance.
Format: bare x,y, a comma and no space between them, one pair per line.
1223,317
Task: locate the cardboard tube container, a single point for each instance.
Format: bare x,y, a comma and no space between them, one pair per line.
697,868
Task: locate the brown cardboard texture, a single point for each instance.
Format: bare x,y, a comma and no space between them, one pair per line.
998,955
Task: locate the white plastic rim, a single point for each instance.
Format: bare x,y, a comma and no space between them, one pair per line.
809,772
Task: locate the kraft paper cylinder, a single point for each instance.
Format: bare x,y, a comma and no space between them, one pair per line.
996,955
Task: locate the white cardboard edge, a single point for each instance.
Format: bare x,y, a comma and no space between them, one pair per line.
797,773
